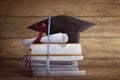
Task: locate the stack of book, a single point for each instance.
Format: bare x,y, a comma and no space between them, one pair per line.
63,60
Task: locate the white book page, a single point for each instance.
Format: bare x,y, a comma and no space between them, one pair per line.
56,49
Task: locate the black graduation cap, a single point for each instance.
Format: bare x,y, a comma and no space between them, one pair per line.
65,24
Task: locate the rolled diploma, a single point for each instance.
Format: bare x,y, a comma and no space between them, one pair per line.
54,38
27,42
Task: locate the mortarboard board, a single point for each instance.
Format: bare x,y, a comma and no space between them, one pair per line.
65,24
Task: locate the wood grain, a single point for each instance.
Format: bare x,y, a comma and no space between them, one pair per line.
100,43
14,62
91,47
15,69
60,7
16,27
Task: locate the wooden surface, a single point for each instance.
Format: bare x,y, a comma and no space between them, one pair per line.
16,27
100,43
58,7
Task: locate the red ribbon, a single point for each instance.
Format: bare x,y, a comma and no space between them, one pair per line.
27,62
42,29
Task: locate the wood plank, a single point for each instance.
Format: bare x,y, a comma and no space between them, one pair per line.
16,27
99,63
103,73
101,47
16,70
14,62
91,47
60,7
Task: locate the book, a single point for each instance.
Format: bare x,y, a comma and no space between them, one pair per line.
38,68
36,65
54,58
55,63
63,60
59,73
56,49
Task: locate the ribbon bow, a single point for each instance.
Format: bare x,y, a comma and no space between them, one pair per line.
42,29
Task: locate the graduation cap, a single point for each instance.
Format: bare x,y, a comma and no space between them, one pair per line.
65,24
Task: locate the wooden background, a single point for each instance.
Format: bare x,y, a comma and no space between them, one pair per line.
100,43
